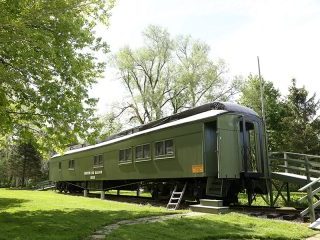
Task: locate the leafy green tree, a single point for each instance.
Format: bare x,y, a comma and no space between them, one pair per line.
47,65
3,168
292,121
168,75
303,125
111,125
274,108
24,164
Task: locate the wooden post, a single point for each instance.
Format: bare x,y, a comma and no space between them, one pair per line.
285,162
118,192
309,191
270,191
288,193
269,179
102,195
85,192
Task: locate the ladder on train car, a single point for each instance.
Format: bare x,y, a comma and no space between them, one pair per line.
176,197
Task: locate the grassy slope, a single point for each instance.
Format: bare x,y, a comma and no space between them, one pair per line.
229,226
49,215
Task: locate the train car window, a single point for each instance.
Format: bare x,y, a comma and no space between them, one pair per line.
169,147
98,161
125,155
59,165
121,156
143,152
71,164
139,152
159,149
128,154
146,151
164,148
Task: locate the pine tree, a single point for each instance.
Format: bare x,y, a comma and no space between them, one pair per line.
303,126
25,164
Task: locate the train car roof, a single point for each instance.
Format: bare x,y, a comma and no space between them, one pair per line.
199,113
230,107
193,118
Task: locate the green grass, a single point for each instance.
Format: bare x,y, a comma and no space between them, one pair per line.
129,193
228,226
294,200
49,215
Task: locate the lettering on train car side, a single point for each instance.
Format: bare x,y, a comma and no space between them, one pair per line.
92,173
197,168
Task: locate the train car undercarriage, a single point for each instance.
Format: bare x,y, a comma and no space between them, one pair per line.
197,188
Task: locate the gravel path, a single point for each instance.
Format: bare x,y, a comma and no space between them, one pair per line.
106,230
315,237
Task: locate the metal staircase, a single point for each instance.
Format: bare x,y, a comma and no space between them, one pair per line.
315,224
176,197
45,185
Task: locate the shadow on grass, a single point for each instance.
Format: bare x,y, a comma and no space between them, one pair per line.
205,229
55,224
6,203
191,229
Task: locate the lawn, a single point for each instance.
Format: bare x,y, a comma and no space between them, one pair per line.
49,215
227,226
294,200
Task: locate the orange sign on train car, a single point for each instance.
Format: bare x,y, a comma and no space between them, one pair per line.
197,168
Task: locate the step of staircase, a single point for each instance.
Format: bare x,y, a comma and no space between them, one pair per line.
208,209
211,202
315,225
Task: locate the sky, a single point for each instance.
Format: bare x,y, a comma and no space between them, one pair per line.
284,34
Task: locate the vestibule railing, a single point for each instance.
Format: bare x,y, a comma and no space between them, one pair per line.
310,194
303,166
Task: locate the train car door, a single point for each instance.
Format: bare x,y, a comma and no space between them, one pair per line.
228,146
251,142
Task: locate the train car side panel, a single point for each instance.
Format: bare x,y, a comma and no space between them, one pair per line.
229,150
186,161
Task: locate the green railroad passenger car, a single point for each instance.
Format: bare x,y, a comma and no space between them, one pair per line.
218,149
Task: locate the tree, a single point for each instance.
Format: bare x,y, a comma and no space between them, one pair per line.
47,65
292,121
274,108
24,164
3,168
167,75
303,124
111,125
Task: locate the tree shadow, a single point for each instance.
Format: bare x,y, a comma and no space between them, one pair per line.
56,224
6,203
202,229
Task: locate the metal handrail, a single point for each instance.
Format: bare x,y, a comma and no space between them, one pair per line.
309,196
298,154
305,164
305,211
310,184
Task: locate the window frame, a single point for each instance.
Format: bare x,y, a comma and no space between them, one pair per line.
125,161
143,158
165,155
72,167
59,165
100,161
